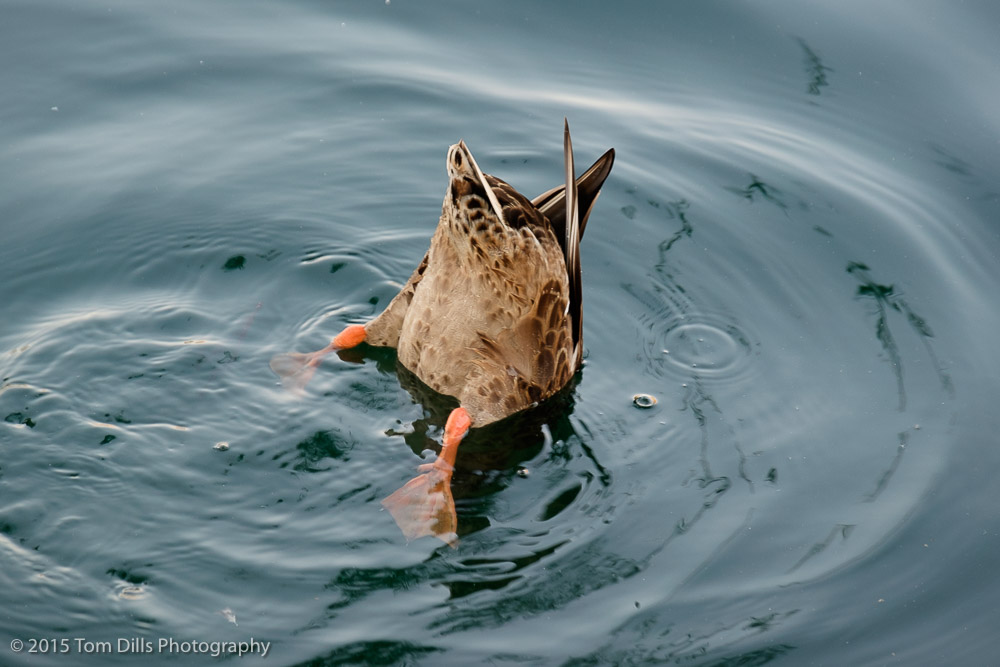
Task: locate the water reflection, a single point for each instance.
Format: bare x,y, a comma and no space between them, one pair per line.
886,300
686,340
758,187
503,560
883,481
674,210
951,162
841,530
380,652
665,637
582,571
702,350
697,401
814,68
331,444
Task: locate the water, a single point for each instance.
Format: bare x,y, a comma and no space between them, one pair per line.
795,255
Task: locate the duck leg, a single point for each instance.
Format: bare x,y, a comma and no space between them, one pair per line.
296,368
424,505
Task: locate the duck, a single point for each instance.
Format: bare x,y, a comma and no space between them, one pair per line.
492,316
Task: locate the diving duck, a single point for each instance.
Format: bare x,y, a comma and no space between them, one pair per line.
491,316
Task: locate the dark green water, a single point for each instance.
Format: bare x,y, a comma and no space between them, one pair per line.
796,253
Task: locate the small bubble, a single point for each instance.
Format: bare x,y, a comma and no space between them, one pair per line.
644,400
131,593
221,446
523,472
55,108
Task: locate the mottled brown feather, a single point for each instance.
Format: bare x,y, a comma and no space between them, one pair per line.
487,316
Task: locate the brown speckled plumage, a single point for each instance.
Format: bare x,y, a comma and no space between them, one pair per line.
491,315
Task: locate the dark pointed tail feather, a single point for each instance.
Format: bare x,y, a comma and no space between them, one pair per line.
571,246
568,216
552,203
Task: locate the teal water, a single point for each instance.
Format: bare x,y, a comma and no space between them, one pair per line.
796,254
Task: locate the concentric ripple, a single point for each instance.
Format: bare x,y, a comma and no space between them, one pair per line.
708,349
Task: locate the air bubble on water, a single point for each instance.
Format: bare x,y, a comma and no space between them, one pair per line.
131,593
644,400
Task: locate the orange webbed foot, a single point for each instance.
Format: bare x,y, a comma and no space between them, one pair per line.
424,505
295,369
